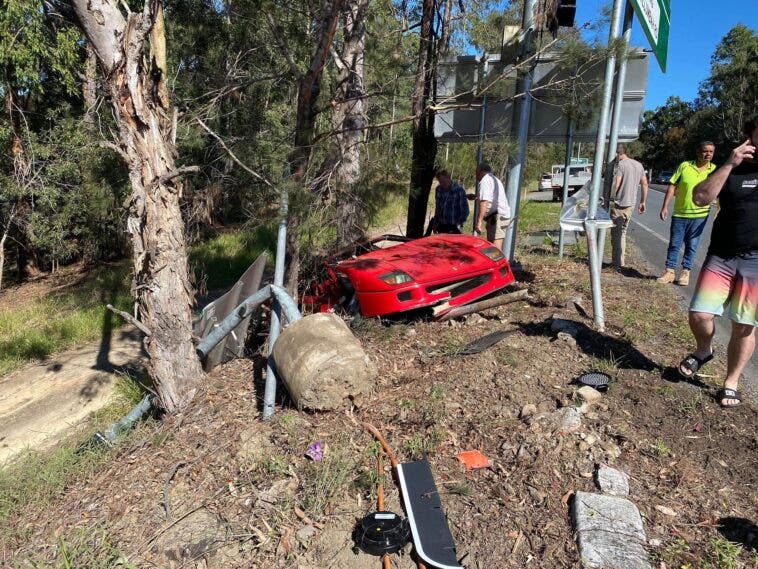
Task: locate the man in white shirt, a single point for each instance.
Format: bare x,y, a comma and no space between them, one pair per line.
493,206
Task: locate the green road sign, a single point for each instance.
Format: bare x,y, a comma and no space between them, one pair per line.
655,17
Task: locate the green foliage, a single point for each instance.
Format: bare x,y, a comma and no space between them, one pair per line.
92,550
732,87
667,135
726,99
324,480
35,48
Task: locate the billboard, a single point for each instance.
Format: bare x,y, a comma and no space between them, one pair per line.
558,91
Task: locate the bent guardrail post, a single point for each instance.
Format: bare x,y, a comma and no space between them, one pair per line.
287,304
109,437
243,310
269,394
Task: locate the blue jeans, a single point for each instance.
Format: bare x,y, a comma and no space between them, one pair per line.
688,231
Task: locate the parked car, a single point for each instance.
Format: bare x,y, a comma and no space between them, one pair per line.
664,176
437,273
545,182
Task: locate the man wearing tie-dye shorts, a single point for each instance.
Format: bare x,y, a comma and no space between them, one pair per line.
728,281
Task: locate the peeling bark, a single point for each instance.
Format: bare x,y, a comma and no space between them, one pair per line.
161,286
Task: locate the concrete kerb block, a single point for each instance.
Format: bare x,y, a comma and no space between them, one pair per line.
609,532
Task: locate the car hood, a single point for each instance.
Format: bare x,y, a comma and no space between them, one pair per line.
432,258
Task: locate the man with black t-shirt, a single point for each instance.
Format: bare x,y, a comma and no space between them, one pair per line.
728,281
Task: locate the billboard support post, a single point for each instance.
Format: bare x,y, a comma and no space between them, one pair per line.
482,130
516,173
566,174
591,221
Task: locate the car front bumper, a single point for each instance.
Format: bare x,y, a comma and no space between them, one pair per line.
456,292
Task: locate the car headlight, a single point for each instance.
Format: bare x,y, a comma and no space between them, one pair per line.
492,252
396,278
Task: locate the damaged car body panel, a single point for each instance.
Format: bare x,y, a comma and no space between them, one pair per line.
442,271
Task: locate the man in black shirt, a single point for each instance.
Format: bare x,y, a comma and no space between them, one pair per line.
728,281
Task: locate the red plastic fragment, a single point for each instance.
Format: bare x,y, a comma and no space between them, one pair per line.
473,459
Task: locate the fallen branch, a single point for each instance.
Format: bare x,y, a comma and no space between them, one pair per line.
129,318
166,497
482,305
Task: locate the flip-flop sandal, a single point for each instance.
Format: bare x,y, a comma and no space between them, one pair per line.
727,393
692,364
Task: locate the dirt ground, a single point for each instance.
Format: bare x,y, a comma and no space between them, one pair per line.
215,487
42,403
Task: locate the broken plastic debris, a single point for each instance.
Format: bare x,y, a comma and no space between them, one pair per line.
315,451
473,459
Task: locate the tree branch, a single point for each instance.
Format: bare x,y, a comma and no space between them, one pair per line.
232,155
279,37
160,180
129,318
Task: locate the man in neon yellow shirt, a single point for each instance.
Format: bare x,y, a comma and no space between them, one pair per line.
688,219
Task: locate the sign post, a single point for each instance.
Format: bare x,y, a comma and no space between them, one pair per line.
655,17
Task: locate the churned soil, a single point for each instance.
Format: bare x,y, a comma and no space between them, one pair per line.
214,486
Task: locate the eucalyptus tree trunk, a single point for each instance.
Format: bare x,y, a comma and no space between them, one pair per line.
348,121
3,239
424,151
309,89
135,79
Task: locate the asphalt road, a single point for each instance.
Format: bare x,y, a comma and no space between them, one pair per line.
650,235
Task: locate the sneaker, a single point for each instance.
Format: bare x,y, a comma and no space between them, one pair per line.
684,278
667,277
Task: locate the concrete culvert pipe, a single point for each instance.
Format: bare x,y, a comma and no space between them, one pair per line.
322,364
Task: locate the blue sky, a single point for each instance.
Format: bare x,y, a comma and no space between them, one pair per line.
696,27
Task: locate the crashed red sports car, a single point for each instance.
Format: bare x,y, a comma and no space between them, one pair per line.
438,272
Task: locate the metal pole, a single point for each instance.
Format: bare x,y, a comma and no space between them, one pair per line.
515,176
618,103
590,224
566,172
480,147
269,394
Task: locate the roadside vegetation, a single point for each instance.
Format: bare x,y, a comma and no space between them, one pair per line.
277,505
333,102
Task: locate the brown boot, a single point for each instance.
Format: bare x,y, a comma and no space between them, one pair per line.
667,277
684,278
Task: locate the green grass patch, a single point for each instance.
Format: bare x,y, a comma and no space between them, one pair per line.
61,321
221,261
389,206
538,216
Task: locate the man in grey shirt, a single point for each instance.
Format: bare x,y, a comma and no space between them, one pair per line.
629,176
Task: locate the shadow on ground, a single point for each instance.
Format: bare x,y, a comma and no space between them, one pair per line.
596,344
739,530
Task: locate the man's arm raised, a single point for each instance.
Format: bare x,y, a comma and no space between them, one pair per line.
707,190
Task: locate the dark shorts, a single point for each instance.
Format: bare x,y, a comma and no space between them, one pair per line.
729,287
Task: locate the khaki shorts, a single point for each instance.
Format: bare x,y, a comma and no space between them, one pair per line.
496,225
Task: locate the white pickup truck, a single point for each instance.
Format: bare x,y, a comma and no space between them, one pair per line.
579,174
